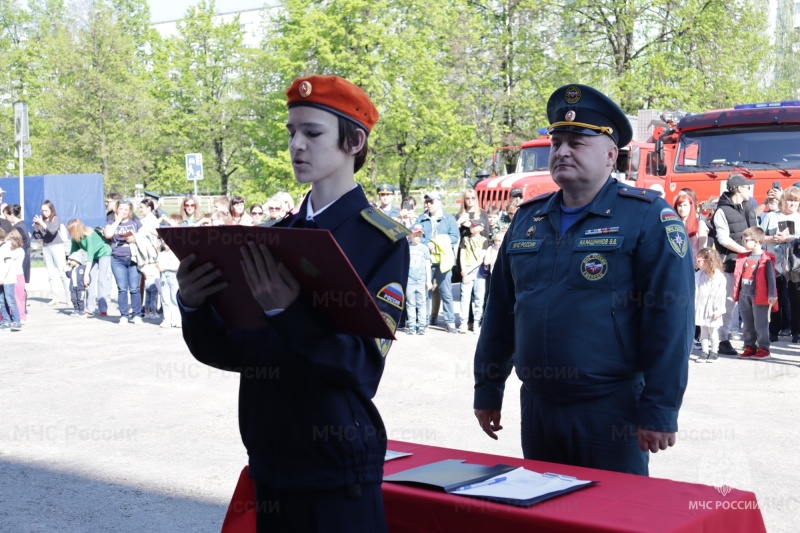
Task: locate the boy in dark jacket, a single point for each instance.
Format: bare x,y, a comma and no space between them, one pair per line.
315,440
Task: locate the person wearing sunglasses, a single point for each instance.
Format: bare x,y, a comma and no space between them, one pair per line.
190,211
257,214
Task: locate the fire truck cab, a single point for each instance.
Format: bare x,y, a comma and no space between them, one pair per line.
700,151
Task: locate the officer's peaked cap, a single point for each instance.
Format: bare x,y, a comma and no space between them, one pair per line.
585,110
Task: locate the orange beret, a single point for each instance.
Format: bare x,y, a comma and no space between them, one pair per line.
336,95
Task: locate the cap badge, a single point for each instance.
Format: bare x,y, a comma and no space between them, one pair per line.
573,94
570,116
305,89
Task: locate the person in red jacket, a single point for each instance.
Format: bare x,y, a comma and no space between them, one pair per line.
754,289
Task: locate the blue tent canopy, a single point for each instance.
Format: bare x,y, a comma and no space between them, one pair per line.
78,196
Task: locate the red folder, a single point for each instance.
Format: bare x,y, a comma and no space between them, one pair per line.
327,279
241,515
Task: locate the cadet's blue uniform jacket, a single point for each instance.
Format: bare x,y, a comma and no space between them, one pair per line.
305,410
610,302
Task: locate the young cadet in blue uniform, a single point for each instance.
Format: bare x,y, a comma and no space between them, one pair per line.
592,302
315,440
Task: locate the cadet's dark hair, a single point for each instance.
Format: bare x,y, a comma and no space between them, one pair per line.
348,139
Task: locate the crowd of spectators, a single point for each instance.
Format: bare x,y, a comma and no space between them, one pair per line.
461,247
83,263
448,249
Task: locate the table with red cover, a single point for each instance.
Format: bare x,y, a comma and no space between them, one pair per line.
618,502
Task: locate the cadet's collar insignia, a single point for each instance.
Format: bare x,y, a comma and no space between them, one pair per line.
678,241
385,344
569,116
668,215
594,267
305,89
573,94
530,232
392,294
602,231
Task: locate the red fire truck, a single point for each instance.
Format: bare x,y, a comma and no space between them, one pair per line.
760,141
699,151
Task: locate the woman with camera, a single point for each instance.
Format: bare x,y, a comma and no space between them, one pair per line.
47,227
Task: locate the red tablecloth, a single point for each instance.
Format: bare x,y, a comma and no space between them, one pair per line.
619,502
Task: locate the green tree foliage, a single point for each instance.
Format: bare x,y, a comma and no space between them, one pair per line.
195,77
693,54
451,80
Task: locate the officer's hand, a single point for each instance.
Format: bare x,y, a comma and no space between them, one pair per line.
654,440
273,286
196,283
489,420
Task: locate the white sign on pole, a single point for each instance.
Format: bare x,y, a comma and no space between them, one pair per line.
194,167
21,132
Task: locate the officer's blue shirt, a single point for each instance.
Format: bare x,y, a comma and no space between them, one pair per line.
607,304
305,397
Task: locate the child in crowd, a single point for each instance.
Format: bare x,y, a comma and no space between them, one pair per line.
168,265
709,302
471,253
11,258
419,283
754,289
493,215
76,272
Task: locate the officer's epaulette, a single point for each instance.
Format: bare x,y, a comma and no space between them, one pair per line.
392,229
647,195
544,196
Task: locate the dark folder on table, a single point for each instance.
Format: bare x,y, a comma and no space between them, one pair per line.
327,279
448,475
499,483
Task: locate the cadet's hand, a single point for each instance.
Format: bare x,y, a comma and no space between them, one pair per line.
196,283
273,286
654,440
489,420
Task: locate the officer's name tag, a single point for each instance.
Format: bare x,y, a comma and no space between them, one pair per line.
525,245
598,243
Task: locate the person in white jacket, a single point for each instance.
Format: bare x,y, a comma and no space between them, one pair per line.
709,302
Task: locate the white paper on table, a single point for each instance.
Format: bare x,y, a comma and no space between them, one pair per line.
390,454
521,484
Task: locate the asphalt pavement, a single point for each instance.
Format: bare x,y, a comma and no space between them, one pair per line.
117,428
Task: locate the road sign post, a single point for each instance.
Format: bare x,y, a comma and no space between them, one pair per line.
22,138
194,169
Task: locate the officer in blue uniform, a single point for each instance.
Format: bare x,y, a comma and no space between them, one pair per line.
591,302
315,441
386,197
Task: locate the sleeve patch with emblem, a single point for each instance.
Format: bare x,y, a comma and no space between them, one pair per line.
678,241
392,294
385,344
668,215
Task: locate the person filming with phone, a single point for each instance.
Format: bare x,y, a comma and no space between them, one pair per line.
781,225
